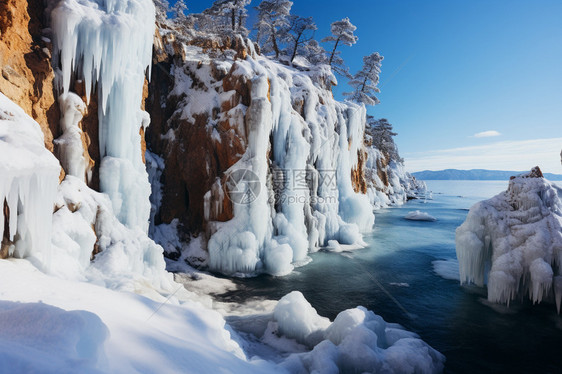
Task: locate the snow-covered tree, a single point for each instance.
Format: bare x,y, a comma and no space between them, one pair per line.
300,32
342,33
179,10
382,136
162,9
314,52
226,16
365,81
271,24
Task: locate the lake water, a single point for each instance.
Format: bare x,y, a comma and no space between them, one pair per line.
395,276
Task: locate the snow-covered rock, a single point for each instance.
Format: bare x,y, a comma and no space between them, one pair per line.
357,341
513,242
29,176
282,125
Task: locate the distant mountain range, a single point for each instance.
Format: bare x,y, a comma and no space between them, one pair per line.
474,174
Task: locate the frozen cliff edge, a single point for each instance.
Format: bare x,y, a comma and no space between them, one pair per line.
220,111
513,242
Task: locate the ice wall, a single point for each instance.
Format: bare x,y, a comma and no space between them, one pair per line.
513,242
290,133
108,44
29,176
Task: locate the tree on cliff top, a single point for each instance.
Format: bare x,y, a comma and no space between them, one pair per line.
227,16
365,81
299,34
342,33
271,24
382,136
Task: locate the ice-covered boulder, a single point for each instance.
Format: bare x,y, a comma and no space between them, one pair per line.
29,176
418,215
357,341
513,242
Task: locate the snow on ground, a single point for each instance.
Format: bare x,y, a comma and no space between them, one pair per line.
513,242
419,216
52,325
92,329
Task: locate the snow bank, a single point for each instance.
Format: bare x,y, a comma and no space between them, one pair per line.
109,44
29,176
356,341
513,242
66,326
419,216
89,243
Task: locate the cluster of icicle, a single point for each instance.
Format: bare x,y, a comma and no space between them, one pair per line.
108,45
513,242
29,175
280,228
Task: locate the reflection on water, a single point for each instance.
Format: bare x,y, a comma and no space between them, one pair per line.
395,277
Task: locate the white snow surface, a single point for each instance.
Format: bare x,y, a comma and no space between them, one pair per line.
29,175
108,43
418,215
67,326
513,242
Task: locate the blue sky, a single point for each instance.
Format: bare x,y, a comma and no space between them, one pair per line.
456,68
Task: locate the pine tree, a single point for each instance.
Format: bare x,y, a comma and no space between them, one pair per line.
365,81
382,135
300,32
272,21
342,33
179,10
226,16
315,53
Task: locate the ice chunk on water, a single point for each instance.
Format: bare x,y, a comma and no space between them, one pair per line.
420,216
356,341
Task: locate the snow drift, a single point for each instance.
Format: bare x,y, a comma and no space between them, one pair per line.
513,242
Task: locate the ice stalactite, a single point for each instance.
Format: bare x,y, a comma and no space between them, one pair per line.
303,162
108,43
513,242
28,184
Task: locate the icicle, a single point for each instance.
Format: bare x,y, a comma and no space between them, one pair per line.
110,43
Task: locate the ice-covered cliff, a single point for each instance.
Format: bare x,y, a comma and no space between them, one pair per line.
311,177
513,242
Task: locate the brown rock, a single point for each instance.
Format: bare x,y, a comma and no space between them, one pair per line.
27,76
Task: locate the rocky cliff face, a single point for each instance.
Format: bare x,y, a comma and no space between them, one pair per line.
212,117
217,108
25,62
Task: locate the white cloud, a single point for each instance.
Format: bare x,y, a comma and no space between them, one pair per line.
487,134
505,155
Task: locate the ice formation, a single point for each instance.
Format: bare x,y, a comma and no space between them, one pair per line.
388,181
303,159
29,176
89,243
108,44
418,215
357,341
513,242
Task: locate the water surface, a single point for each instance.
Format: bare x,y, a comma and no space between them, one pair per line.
395,278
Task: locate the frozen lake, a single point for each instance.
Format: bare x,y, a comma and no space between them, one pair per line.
408,274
